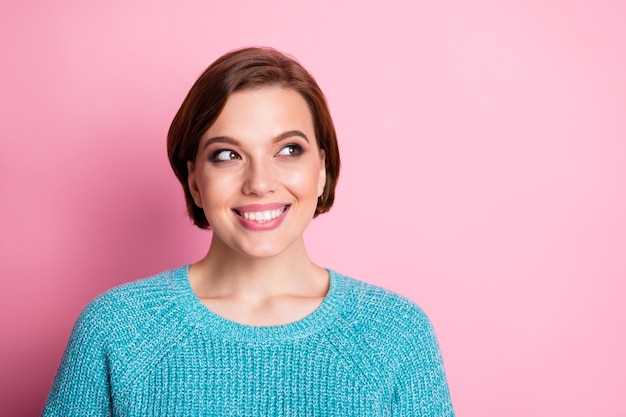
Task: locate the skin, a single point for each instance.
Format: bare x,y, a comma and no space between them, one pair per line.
262,149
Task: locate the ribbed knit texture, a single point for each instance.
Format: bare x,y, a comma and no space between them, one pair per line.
151,348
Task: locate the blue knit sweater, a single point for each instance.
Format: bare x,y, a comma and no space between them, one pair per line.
151,348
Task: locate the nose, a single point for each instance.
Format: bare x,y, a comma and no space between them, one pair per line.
259,178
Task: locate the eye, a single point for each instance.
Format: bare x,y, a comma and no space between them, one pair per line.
290,150
224,155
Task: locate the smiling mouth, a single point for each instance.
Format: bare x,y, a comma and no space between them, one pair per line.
263,216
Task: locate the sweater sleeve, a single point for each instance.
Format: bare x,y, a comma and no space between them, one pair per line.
421,387
81,385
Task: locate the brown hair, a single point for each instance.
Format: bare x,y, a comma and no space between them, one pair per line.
238,70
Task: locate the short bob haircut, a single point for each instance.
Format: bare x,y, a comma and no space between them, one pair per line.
247,68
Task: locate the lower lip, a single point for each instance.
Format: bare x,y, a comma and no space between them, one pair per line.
262,227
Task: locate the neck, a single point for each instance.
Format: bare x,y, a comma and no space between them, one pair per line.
226,272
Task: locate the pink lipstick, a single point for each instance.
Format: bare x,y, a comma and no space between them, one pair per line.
261,217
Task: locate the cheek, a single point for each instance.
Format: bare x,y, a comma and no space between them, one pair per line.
216,189
304,182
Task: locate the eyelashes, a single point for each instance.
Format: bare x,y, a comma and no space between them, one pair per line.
291,150
222,155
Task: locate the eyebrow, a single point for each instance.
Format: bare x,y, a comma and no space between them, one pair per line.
233,141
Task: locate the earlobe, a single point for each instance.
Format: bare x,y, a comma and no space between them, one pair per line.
321,183
192,183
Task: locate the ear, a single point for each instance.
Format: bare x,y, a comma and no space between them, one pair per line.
321,181
192,183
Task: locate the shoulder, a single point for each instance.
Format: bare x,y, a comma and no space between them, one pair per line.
396,340
391,327
131,304
142,290
389,332
382,308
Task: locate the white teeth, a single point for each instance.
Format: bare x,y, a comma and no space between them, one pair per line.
262,216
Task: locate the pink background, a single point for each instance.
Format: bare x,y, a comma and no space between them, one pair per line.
484,175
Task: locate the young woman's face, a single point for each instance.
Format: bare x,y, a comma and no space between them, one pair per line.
259,171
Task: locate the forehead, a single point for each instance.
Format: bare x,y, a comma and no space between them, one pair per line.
263,111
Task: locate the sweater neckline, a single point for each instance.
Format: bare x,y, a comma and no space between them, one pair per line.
200,315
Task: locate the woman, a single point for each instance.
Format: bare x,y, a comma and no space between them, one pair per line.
255,328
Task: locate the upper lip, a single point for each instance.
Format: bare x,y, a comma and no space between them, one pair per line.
260,207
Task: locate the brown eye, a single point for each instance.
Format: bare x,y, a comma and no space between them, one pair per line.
291,150
225,155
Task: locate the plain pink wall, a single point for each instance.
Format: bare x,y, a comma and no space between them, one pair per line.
484,175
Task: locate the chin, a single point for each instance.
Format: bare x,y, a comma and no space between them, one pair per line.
262,251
